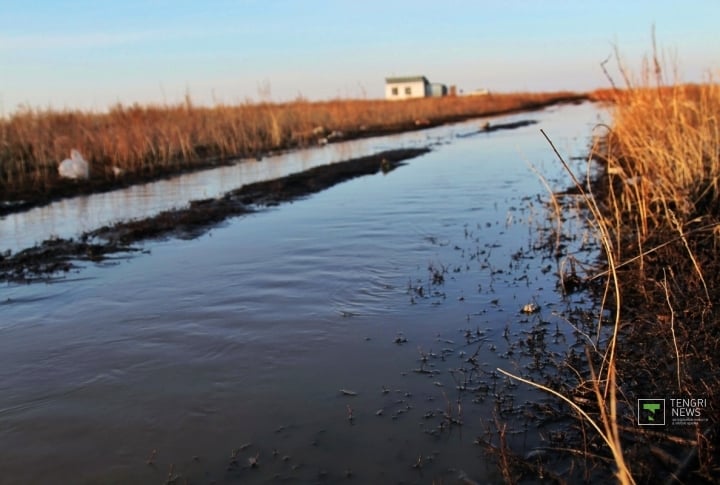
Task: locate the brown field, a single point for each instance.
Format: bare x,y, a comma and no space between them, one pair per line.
149,141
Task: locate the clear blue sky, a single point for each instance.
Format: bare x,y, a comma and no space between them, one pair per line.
91,54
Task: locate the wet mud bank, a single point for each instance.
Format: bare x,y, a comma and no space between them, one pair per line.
668,331
55,256
487,127
658,332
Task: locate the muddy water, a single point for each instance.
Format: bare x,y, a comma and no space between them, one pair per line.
192,359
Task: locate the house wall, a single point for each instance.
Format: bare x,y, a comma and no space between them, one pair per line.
438,89
418,89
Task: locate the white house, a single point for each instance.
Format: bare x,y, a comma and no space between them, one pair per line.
407,87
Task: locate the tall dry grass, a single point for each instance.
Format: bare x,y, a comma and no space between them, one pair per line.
663,152
147,140
655,209
661,206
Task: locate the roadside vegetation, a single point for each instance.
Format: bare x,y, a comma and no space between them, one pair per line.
128,144
659,204
654,207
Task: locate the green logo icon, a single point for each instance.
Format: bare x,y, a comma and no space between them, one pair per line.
652,407
651,412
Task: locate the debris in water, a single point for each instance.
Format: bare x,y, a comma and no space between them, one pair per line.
531,308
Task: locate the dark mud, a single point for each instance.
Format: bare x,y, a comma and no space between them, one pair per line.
54,189
55,256
489,128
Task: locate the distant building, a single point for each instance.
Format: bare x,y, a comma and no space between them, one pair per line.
407,87
438,90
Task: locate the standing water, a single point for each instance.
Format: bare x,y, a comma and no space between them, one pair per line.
350,335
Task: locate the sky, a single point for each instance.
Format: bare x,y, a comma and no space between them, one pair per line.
93,54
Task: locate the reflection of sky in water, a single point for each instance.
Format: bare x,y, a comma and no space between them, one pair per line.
70,217
258,323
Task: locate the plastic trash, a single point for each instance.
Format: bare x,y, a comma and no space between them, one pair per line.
75,167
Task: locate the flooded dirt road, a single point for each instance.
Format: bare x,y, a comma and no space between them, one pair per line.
348,336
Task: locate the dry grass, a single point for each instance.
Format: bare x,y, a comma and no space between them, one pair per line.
661,205
655,209
661,190
664,150
150,140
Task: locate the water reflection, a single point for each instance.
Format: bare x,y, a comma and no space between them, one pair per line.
70,217
236,344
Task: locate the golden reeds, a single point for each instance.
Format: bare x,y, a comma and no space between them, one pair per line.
656,212
661,205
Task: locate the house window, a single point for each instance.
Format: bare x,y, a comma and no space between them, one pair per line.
408,91
394,91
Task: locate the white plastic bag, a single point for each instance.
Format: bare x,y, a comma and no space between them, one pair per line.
75,167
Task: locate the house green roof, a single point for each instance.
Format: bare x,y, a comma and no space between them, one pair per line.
405,79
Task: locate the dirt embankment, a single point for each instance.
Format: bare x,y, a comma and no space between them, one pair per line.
56,256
